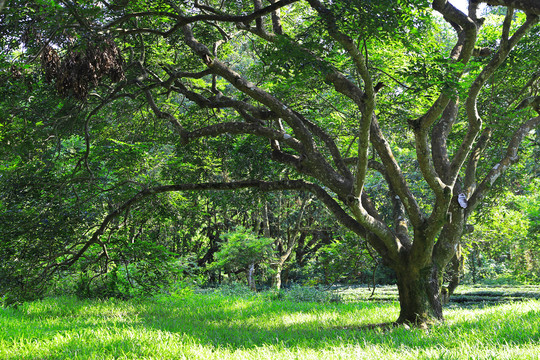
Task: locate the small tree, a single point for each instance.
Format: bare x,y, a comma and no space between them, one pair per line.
242,252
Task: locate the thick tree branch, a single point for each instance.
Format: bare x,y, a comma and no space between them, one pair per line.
250,89
465,26
510,158
276,20
223,102
467,29
182,20
445,106
475,122
244,128
367,106
398,211
330,144
341,84
439,136
313,158
316,190
396,175
470,172
528,6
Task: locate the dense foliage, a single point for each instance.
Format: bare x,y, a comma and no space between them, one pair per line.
146,143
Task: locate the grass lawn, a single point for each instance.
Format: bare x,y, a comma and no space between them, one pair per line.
226,326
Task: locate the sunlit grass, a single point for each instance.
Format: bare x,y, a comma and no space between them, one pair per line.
214,326
464,293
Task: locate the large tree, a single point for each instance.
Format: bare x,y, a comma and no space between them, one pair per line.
341,91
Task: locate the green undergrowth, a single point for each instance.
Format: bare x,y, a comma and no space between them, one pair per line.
232,325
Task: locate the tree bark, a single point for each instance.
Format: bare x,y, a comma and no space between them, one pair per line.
419,296
456,269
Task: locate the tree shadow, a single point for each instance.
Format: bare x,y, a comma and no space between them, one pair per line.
251,324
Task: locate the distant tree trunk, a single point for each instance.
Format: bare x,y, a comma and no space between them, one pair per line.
473,263
251,277
266,220
277,276
280,264
293,237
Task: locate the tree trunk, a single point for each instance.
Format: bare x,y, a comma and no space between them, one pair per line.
419,296
251,277
277,276
456,270
280,265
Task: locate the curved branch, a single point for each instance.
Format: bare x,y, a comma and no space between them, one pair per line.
528,6
439,136
465,26
395,175
510,158
470,171
367,105
250,89
319,192
330,144
243,128
398,211
435,168
475,122
163,114
185,20
317,163
223,102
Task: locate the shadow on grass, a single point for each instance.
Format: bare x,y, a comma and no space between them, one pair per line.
224,322
253,323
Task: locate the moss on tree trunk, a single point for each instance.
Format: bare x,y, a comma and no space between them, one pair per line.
419,296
